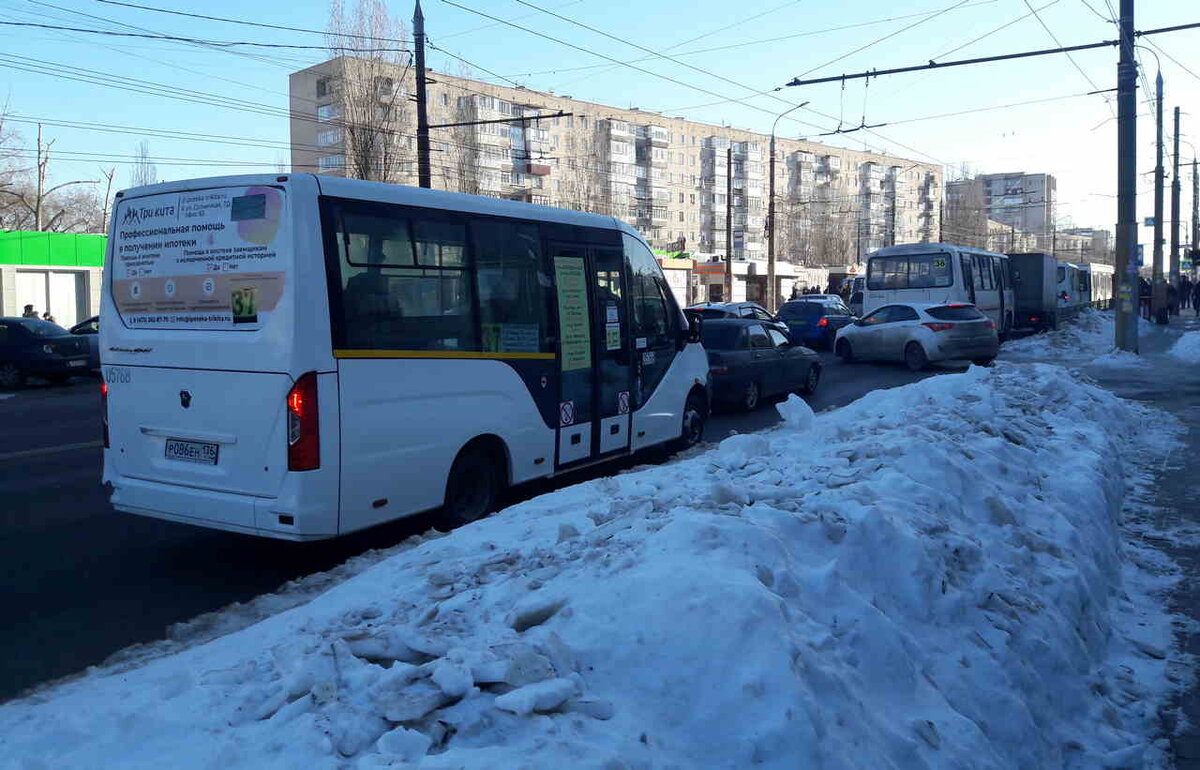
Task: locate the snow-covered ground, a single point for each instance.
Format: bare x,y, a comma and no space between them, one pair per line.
1187,347
1086,339
933,576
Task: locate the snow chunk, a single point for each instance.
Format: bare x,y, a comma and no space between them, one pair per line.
542,696
404,744
796,412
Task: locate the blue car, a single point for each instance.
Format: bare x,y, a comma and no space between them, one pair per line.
32,347
814,322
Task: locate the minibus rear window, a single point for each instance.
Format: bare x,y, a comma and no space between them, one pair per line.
909,271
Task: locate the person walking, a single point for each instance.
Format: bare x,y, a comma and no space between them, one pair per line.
1196,299
29,312
1172,299
47,317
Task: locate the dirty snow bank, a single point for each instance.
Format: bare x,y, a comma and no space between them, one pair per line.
1187,347
926,578
1088,338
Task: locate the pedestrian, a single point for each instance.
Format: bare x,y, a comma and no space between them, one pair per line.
1196,299
1172,299
46,316
29,312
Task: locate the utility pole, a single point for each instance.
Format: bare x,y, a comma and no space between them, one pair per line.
771,300
729,224
423,175
1195,216
1175,213
1158,301
1126,256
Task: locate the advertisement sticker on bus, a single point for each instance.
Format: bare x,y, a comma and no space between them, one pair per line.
208,259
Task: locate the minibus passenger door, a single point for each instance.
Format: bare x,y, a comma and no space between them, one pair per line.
611,337
576,400
968,282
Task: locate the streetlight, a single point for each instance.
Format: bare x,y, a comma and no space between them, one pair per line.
771,298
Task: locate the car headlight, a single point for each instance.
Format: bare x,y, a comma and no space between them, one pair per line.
48,349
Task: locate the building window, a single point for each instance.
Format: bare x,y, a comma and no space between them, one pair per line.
331,162
329,112
445,99
693,197
322,87
681,216
582,122
329,136
681,197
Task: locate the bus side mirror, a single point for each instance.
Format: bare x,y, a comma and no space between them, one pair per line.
693,328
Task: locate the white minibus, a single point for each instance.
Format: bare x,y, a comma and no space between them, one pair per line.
941,272
303,356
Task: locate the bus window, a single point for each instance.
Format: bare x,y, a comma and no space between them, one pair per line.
913,271
654,328
969,282
513,291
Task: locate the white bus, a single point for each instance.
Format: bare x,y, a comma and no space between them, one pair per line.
301,357
1098,282
941,272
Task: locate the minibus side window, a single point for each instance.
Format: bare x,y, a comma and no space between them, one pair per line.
513,291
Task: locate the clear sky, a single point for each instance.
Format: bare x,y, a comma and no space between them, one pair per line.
760,45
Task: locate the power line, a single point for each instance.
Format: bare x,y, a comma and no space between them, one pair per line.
1099,15
227,20
982,59
1058,43
471,64
1178,63
761,41
174,38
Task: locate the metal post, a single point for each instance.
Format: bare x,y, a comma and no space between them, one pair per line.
1158,302
1175,213
772,302
1195,216
1126,255
729,224
423,175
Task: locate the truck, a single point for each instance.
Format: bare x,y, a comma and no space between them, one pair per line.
1035,290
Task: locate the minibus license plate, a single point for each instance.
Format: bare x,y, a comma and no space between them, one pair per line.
191,451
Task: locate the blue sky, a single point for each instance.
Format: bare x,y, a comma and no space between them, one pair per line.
1067,133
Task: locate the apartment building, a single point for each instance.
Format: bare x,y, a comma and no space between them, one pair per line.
677,181
1020,200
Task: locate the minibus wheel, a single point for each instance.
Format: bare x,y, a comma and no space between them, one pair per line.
474,486
695,415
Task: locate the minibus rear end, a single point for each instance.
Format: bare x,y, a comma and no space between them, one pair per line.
220,385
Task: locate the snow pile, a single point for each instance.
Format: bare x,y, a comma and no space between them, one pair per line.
926,578
1079,341
1187,347
1120,359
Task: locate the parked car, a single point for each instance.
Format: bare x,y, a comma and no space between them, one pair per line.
89,330
749,310
918,333
814,321
749,361
32,347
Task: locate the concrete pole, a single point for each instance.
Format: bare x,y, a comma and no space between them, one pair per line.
1195,215
772,300
1159,300
729,224
1175,212
423,173
1126,253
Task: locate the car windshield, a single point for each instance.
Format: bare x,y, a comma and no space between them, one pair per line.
41,328
802,310
955,313
711,312
720,337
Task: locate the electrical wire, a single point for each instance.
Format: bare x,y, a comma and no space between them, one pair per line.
1171,58
1058,43
174,38
227,20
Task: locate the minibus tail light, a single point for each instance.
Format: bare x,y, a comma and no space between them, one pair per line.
104,411
303,433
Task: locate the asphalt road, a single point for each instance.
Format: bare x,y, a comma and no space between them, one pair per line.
79,581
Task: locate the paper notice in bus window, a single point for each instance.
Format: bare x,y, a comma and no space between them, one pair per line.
612,336
573,318
204,259
610,313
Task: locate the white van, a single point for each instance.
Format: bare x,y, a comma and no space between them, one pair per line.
941,273
301,357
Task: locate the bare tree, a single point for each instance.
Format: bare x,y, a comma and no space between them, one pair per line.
143,171
964,218
107,202
369,70
35,206
463,173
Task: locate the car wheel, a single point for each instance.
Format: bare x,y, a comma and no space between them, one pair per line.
474,486
695,416
914,356
11,377
845,351
810,382
750,397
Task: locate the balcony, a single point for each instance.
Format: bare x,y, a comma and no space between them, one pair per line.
538,169
659,137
